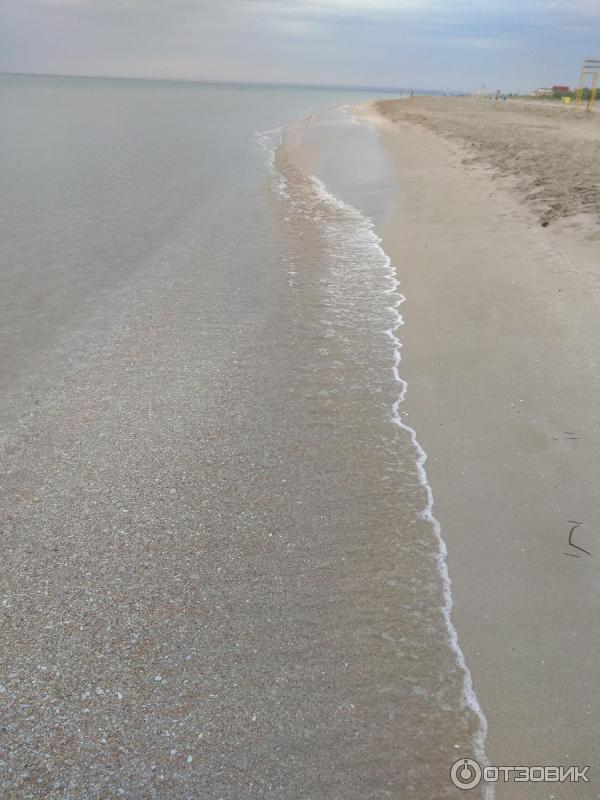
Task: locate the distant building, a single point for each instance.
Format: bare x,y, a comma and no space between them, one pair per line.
543,93
561,90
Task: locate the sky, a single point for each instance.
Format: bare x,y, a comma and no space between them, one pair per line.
459,45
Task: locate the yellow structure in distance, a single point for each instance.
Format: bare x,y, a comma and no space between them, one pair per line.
591,66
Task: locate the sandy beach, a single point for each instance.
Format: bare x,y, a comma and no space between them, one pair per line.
299,419
497,248
223,575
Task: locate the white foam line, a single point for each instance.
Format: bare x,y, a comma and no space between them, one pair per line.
469,698
270,141
347,111
469,695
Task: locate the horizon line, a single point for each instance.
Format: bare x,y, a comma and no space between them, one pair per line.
231,82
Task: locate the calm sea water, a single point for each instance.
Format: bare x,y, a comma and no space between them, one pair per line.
222,574
100,176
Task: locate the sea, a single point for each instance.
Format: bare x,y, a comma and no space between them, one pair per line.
222,572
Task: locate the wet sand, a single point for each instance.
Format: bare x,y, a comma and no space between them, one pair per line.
501,351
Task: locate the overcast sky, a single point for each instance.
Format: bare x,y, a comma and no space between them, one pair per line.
438,44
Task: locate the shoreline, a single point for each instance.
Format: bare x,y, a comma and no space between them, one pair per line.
297,150
499,354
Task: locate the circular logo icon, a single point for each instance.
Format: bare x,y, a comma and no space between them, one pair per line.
466,773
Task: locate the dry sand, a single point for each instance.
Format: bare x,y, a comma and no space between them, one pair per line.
550,151
501,353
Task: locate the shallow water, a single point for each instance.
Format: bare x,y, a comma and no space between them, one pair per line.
360,316
104,179
217,527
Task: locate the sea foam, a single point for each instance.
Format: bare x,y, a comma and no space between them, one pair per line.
355,232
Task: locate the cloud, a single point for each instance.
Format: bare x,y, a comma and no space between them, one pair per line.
295,27
428,43
482,42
